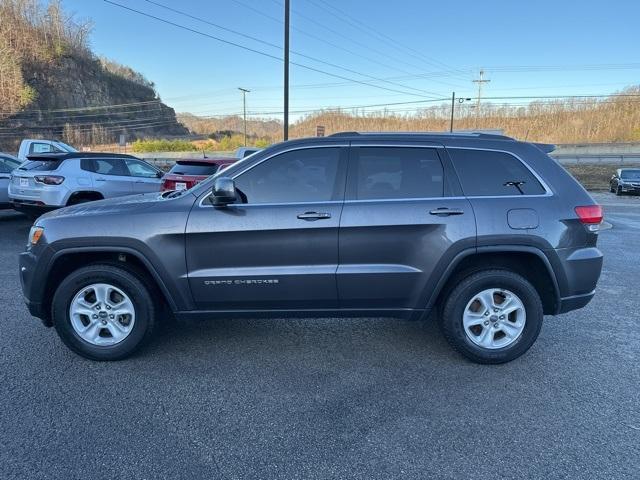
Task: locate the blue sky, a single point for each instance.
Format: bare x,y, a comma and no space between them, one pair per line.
423,49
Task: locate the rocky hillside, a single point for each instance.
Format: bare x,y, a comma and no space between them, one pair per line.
52,85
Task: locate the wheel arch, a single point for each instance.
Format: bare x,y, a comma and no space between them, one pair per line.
92,194
65,261
530,262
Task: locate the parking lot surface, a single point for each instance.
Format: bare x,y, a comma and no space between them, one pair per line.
330,398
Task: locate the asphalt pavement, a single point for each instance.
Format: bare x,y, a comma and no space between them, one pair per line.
331,398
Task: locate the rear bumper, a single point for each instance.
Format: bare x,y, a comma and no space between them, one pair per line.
31,207
48,195
581,270
575,302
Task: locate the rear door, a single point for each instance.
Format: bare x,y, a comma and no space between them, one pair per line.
109,176
402,223
145,178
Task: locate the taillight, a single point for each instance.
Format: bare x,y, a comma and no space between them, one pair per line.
590,214
49,179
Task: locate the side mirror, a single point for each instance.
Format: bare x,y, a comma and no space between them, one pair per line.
160,174
223,192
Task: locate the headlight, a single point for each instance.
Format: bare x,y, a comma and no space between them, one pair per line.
34,235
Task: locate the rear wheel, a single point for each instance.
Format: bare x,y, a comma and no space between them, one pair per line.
493,316
103,312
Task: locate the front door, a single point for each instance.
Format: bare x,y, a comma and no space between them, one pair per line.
277,247
145,178
402,220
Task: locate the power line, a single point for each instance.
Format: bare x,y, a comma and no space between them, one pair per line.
253,50
273,45
375,33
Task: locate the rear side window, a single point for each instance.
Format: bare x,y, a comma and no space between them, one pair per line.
194,168
486,173
395,173
104,166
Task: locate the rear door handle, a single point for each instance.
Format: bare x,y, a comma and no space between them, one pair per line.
101,179
312,216
445,212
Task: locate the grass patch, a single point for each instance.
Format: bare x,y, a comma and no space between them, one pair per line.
144,146
596,176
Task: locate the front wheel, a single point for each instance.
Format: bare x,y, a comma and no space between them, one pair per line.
103,312
493,316
618,191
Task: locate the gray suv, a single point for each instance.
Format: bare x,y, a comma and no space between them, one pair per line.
487,232
53,180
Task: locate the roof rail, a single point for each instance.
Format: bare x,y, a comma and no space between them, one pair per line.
479,134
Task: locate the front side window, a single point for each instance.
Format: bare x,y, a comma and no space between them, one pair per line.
141,169
485,173
308,175
397,173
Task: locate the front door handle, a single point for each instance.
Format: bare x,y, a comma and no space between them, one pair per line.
312,216
445,212
101,179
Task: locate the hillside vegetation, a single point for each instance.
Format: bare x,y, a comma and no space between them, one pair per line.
572,120
51,84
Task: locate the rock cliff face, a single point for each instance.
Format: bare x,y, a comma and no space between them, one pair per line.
52,85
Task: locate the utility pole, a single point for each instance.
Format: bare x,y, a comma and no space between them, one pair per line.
286,70
244,108
453,106
480,81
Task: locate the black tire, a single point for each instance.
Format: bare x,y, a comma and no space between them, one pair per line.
457,300
618,191
123,279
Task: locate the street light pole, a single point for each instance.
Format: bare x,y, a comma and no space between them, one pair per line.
244,108
286,70
453,106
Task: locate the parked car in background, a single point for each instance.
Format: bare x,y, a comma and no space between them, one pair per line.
245,151
487,232
50,181
30,146
188,172
8,163
625,180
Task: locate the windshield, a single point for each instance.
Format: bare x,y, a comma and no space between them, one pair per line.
65,147
194,168
10,162
630,174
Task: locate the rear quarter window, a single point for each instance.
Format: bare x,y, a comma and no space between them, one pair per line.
485,173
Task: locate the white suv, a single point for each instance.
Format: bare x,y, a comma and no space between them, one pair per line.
50,181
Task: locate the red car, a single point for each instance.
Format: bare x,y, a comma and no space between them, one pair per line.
188,172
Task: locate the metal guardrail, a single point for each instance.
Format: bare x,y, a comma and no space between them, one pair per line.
595,159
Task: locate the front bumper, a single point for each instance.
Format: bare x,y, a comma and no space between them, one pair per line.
32,289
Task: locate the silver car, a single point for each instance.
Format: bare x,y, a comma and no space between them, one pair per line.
50,181
7,164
